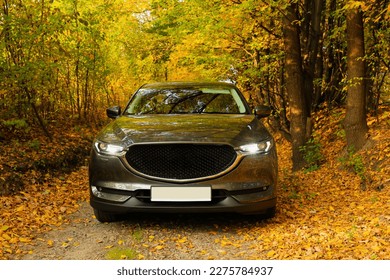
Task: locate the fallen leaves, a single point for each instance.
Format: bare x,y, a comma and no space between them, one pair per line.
37,209
34,197
325,214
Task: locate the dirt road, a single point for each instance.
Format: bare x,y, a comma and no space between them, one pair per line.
148,237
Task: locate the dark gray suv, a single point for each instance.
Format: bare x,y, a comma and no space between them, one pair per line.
184,147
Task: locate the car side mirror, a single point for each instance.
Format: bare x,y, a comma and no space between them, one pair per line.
113,112
262,111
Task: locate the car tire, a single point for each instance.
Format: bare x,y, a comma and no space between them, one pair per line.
270,213
265,214
105,217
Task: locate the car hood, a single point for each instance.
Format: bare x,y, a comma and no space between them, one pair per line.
234,129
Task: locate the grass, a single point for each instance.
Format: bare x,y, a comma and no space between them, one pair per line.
121,254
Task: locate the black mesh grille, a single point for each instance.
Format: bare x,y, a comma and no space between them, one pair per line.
180,161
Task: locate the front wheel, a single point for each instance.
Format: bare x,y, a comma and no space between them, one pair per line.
270,213
264,215
105,217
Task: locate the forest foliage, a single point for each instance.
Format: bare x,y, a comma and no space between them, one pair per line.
78,56
62,59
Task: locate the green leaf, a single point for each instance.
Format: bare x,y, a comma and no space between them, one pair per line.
4,228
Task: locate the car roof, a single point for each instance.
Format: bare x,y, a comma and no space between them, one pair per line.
188,85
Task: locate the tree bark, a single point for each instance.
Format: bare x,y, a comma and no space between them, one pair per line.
355,122
311,37
37,115
294,85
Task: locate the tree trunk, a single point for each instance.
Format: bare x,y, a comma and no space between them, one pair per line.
294,85
355,120
37,115
311,37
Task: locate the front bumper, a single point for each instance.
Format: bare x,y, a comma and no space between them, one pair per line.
228,205
250,187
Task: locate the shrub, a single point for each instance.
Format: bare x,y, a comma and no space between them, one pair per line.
312,154
354,162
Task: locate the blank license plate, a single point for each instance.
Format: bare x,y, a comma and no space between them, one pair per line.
181,194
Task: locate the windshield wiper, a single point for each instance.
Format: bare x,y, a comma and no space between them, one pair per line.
182,100
200,111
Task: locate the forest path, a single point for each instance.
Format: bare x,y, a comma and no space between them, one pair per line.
145,237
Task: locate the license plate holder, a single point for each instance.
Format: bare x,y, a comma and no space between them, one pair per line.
180,194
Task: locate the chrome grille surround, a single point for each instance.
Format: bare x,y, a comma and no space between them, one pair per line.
181,162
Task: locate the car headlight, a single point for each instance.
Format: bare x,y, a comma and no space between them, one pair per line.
109,149
261,147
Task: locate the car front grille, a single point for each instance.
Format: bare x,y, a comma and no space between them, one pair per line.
180,161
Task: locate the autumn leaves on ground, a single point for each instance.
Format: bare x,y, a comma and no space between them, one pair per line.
338,208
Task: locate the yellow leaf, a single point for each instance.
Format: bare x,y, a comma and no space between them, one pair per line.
376,248
4,228
120,242
13,240
331,208
20,208
271,253
182,240
50,243
109,247
6,236
25,240
290,214
375,221
159,247
222,252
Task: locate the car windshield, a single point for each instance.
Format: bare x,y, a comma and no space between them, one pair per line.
186,101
